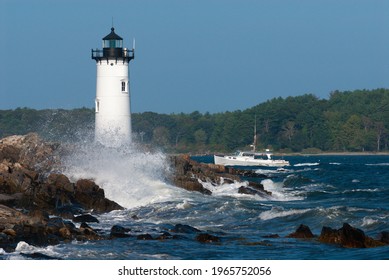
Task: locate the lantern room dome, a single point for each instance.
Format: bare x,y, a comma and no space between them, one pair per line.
112,35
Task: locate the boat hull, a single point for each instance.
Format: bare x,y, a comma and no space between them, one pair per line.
248,161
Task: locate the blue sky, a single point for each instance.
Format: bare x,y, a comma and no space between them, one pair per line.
205,55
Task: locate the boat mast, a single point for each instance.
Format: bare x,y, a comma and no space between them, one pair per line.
255,133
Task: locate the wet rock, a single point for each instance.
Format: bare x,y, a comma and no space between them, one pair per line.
87,218
54,225
271,236
5,239
88,233
39,216
38,256
164,236
259,187
68,211
61,182
302,231
10,232
188,174
246,190
348,236
384,237
191,184
254,189
65,233
207,238
144,237
119,231
179,228
30,151
10,217
91,196
35,234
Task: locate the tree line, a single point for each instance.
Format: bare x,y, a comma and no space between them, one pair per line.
346,121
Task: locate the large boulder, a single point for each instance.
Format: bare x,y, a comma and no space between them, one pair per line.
91,196
302,231
30,151
189,174
348,236
30,178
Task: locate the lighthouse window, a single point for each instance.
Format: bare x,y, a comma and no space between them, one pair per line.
97,105
123,86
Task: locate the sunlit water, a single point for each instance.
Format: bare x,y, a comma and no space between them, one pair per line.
316,191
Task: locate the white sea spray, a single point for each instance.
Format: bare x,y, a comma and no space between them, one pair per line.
129,176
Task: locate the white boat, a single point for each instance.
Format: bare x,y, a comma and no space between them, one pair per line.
250,159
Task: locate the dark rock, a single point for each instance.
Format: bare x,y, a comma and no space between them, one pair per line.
188,174
191,184
259,187
65,233
5,239
68,211
144,237
10,217
32,234
246,190
254,189
38,256
271,236
88,233
119,231
302,231
38,216
87,218
53,239
164,236
348,236
61,182
207,238
91,196
179,228
54,225
384,237
8,200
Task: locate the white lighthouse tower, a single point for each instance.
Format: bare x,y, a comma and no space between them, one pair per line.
112,104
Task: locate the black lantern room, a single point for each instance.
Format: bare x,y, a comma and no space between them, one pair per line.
113,49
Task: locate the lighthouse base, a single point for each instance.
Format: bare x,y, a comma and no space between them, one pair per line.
113,133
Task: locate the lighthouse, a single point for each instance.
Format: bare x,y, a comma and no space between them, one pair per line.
112,103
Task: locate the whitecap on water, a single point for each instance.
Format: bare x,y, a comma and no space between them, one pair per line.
367,221
184,205
278,212
307,164
279,193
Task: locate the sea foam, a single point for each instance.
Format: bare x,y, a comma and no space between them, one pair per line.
128,175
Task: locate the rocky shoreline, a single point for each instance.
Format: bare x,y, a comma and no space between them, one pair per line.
41,206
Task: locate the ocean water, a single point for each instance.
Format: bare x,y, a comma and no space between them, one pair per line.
315,190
